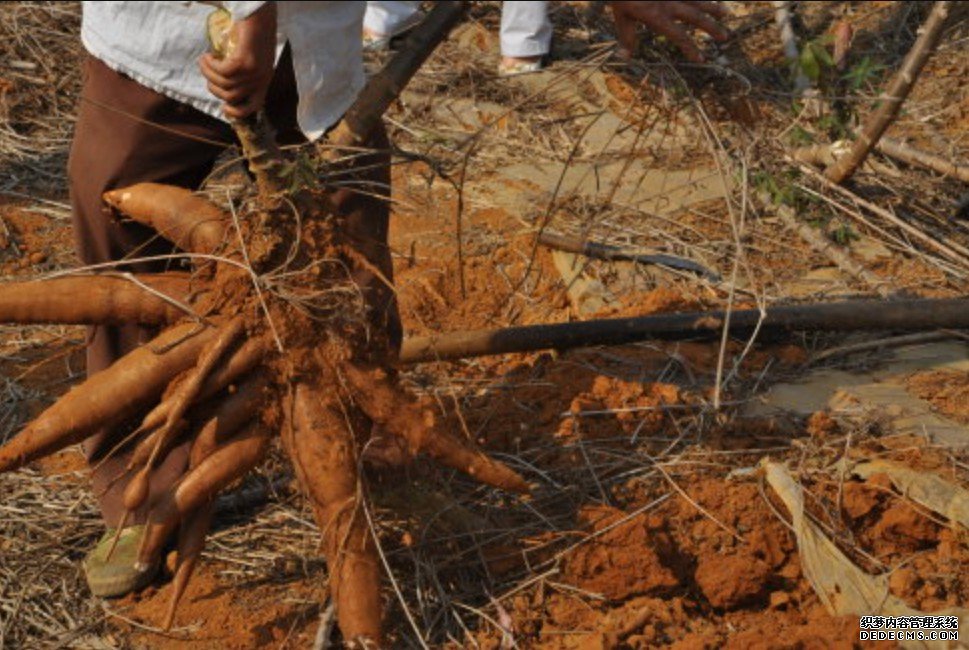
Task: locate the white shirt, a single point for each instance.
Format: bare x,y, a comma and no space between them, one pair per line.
158,44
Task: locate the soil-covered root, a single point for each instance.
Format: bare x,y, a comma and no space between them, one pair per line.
108,397
189,221
191,543
238,364
137,490
323,453
200,485
230,413
195,526
105,300
416,423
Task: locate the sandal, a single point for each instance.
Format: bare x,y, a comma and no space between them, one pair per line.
118,575
519,67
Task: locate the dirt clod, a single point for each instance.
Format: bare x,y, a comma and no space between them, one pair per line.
734,580
859,499
905,528
621,561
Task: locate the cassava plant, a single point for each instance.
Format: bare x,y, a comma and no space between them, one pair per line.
266,337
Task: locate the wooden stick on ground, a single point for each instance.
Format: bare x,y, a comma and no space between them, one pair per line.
950,250
885,343
916,157
894,96
823,155
845,316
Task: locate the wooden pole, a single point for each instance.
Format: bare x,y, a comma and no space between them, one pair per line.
846,316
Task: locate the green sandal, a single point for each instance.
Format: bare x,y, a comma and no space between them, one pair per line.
118,576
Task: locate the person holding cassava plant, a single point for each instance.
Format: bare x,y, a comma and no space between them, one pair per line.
155,108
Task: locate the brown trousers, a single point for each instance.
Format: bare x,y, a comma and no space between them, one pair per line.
126,134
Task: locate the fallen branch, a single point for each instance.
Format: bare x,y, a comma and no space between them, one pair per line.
894,96
953,250
882,344
824,155
960,258
846,316
916,157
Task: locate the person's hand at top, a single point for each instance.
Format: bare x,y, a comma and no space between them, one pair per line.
670,19
242,78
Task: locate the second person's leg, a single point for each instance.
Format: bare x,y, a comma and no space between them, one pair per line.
526,36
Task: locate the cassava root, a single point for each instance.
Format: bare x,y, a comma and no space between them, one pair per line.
188,391
107,300
107,397
324,457
189,221
200,486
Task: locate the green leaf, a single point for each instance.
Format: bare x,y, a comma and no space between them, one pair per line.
863,72
821,53
844,235
809,64
800,136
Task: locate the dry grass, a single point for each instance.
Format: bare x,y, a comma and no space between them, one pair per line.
39,82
